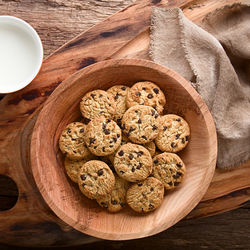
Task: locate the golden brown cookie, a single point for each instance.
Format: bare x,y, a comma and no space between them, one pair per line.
140,124
96,179
145,196
103,136
133,162
97,103
116,200
72,167
169,169
173,134
72,143
146,93
119,93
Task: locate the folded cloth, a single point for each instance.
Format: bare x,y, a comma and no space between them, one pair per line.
215,58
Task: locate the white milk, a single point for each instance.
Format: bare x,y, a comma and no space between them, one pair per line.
19,56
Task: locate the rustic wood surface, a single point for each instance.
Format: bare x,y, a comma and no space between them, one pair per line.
56,23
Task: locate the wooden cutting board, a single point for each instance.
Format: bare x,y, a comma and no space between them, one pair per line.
123,35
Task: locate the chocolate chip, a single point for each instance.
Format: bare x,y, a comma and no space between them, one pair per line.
154,127
133,169
143,88
93,95
114,139
101,112
136,111
179,165
121,153
73,139
91,140
118,135
116,96
173,145
122,204
170,183
153,112
139,184
83,177
183,140
131,129
122,172
156,90
123,88
144,137
176,184
177,136
139,121
103,149
114,202
139,166
178,119
151,206
155,106
165,128
156,161
74,151
108,120
85,121
95,147
176,176
104,125
111,146
69,131
106,131
179,173
81,130
104,204
130,156
138,93
150,96
187,138
156,116
140,153
100,95
100,172
151,189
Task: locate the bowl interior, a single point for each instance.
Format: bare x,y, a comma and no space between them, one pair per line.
85,215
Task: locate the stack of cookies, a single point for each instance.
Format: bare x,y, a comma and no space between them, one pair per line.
124,150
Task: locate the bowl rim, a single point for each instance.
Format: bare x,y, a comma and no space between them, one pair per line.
37,40
206,178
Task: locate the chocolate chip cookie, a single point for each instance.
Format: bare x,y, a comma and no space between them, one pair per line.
119,93
146,93
72,143
72,167
96,179
116,200
140,124
103,136
145,196
173,134
97,103
133,162
169,169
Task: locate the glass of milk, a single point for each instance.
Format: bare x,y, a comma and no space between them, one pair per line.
21,54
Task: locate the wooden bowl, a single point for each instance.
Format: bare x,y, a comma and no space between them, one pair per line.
85,215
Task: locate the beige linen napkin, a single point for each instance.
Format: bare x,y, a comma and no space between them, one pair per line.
216,61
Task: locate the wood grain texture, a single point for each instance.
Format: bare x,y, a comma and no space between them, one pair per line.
17,110
62,108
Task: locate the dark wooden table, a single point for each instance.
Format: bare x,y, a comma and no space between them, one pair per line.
58,21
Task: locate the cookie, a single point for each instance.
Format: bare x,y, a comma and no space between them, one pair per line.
123,141
95,179
140,124
116,200
146,93
169,169
103,136
97,103
119,93
72,143
133,162
72,167
150,146
145,196
173,134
